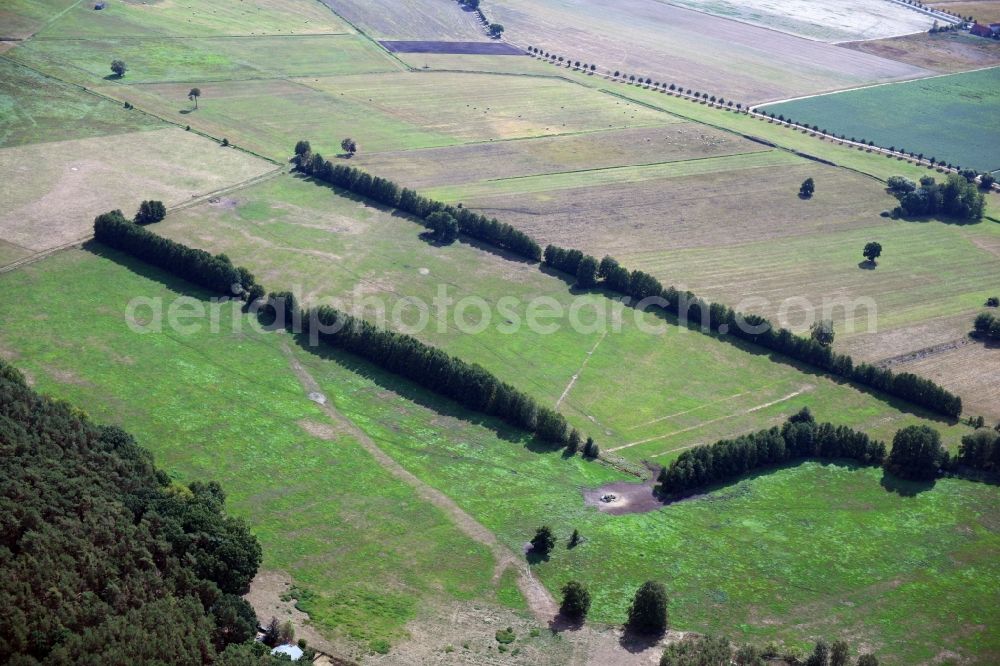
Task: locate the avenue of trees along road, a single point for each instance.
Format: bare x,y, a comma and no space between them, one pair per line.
637,285
104,559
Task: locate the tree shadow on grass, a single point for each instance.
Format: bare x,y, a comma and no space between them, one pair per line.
905,487
148,271
417,394
866,265
561,623
634,642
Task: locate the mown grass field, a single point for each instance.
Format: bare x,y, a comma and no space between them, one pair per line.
671,386
943,117
907,575
37,109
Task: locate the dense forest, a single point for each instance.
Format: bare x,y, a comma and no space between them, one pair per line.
105,560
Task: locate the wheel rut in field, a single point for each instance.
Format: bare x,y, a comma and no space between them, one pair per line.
541,603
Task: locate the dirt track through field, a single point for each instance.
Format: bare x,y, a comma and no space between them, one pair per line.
541,603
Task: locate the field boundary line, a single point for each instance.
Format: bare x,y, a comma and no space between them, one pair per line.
580,369
541,603
744,412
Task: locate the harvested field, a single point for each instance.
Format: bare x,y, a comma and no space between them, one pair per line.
52,191
411,20
942,52
971,371
699,51
984,11
459,48
663,212
37,108
828,22
940,117
484,107
206,59
589,151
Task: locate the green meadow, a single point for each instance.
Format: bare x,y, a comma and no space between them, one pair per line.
897,566
641,383
945,117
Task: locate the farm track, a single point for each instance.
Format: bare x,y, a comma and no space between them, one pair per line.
541,603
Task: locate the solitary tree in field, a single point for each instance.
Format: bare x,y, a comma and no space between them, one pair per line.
648,613
867,660
573,443
872,252
575,601
150,211
194,95
839,653
820,655
350,146
496,30
118,67
543,541
574,539
822,332
807,188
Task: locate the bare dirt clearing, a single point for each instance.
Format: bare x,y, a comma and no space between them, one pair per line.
736,60
576,152
828,22
942,52
53,190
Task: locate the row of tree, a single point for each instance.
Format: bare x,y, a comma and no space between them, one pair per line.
717,317
799,438
980,451
104,558
213,272
386,192
469,384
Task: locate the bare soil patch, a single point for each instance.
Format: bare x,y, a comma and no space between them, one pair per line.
321,430
627,497
265,595
466,48
941,52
